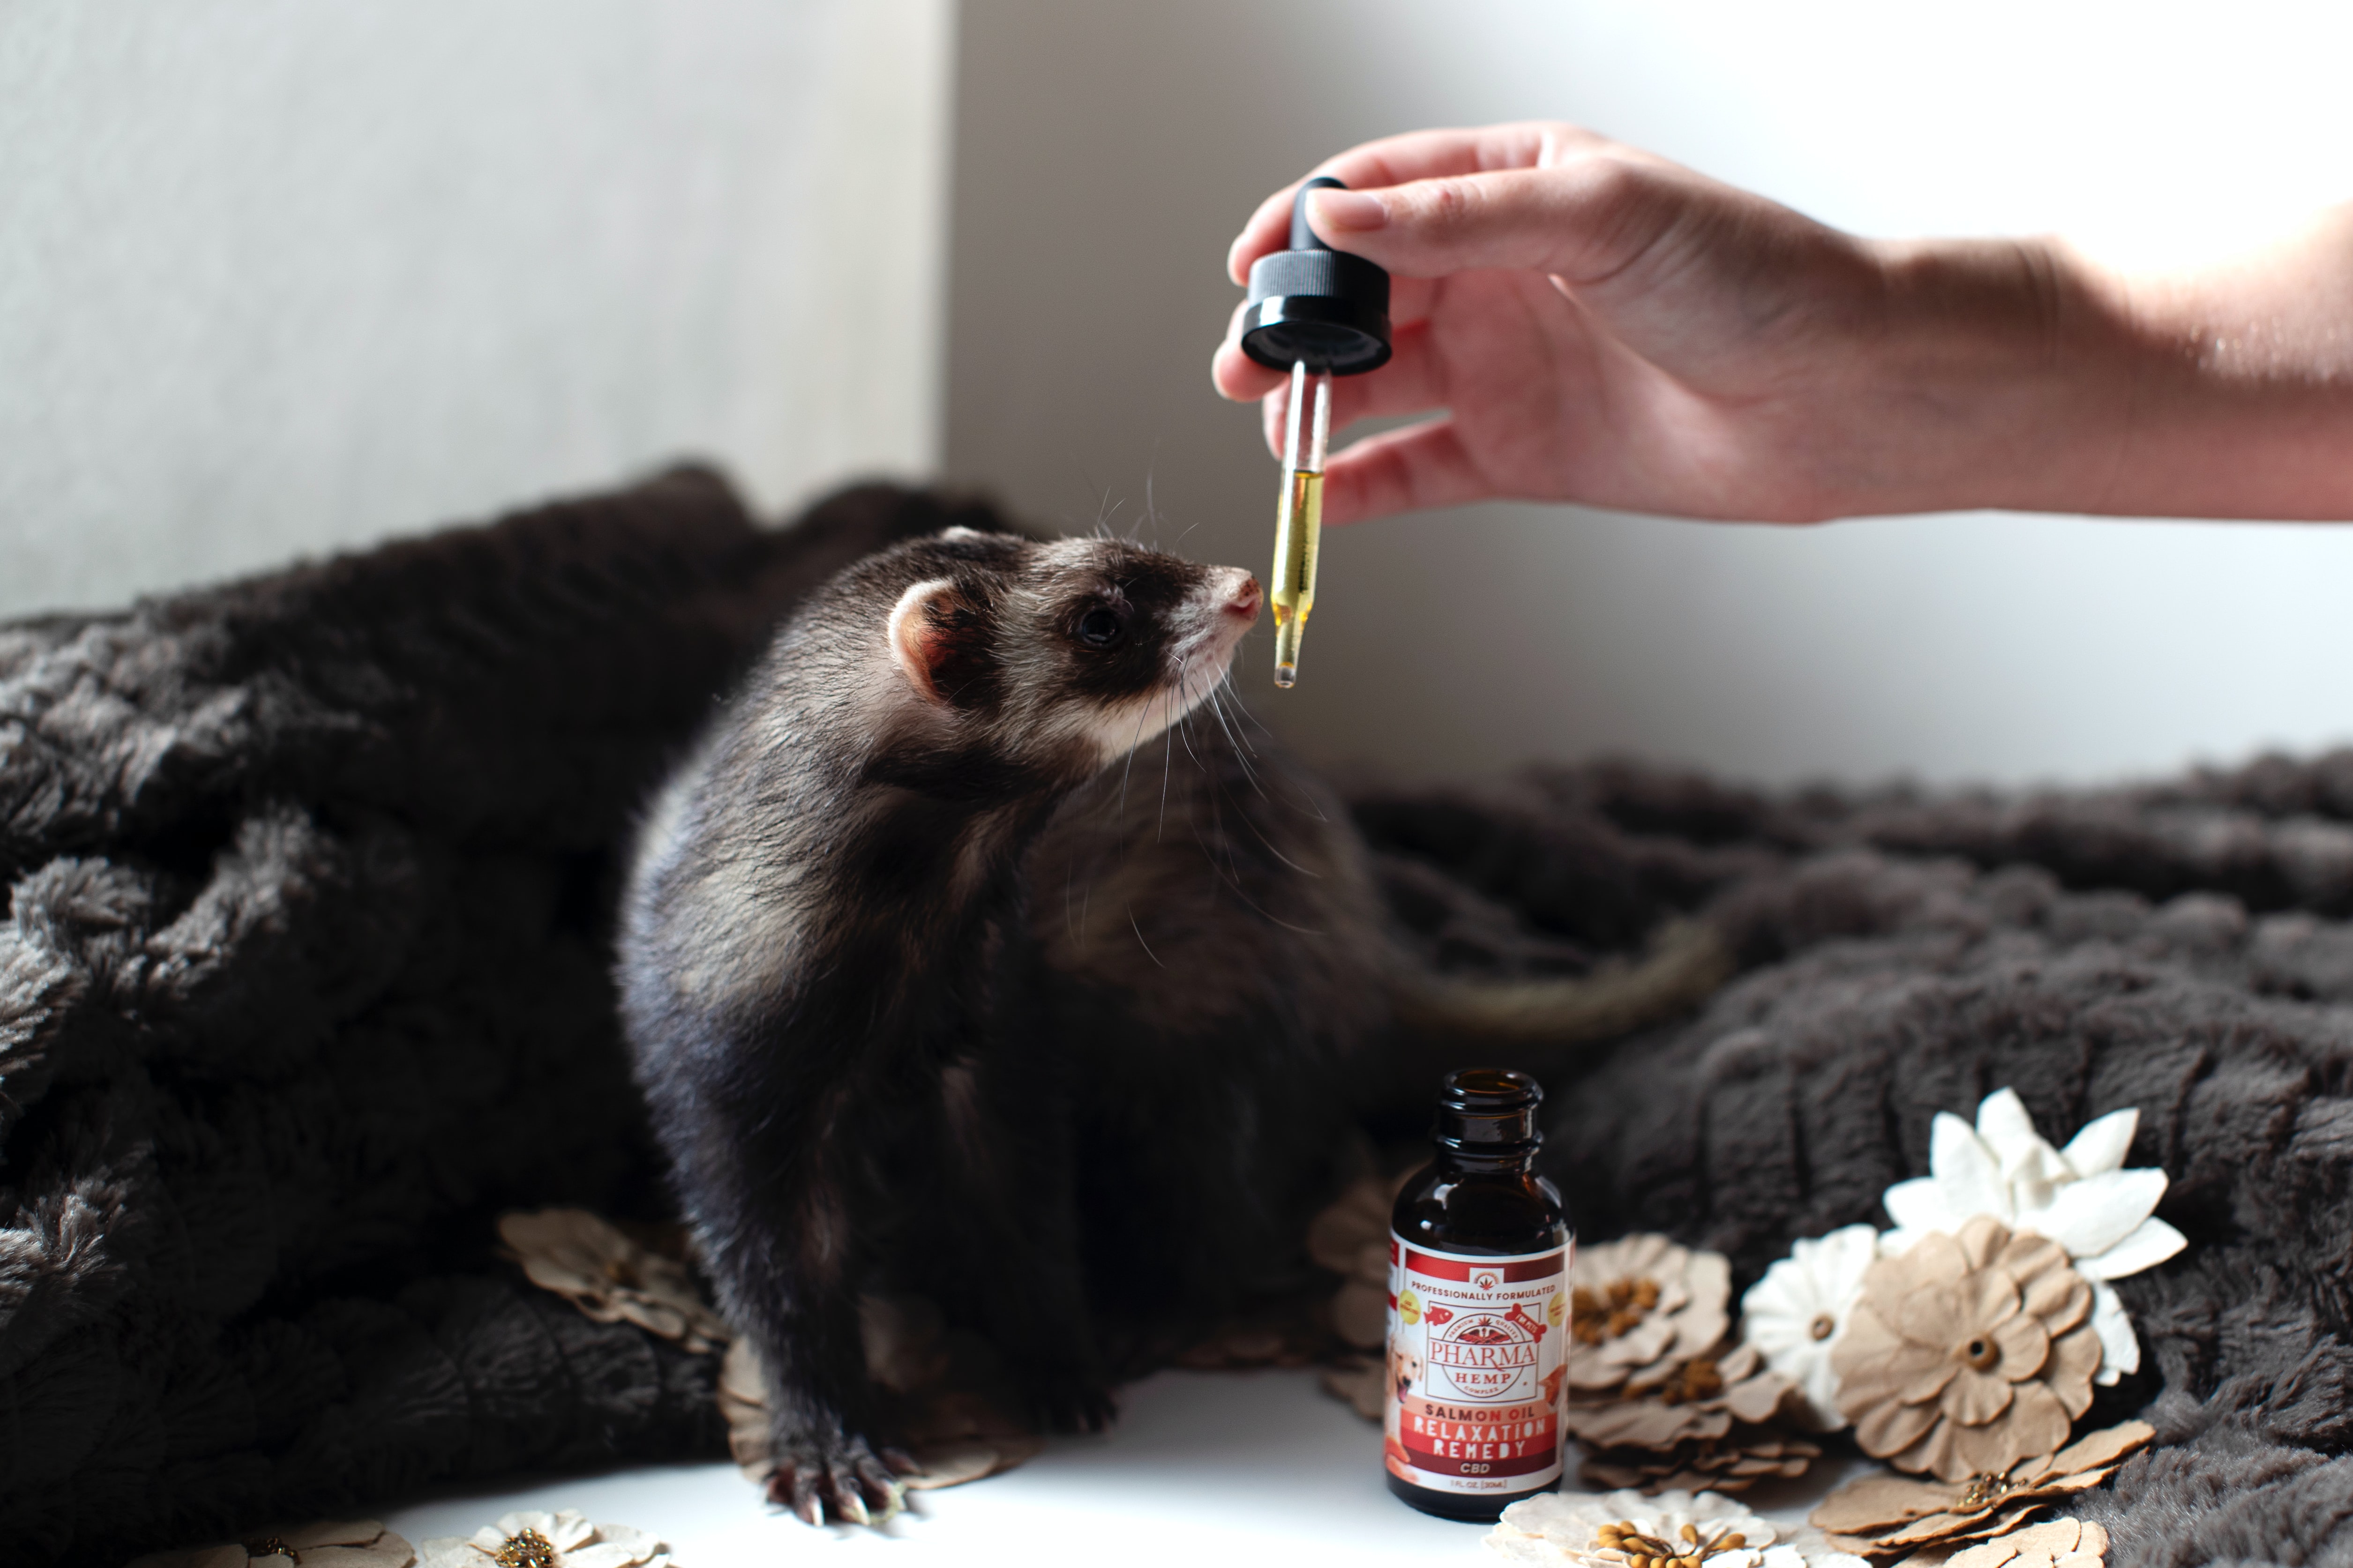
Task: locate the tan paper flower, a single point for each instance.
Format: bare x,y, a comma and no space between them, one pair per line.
1698,1398
1882,1512
529,1538
940,1395
1351,1238
2054,1543
1286,1332
610,1278
1731,1463
1969,1353
1361,1383
1640,1306
356,1543
1241,1346
1699,1426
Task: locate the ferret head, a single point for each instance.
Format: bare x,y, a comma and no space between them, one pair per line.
1053,659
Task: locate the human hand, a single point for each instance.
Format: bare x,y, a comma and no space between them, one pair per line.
1602,325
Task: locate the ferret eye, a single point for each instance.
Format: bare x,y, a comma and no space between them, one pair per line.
1100,628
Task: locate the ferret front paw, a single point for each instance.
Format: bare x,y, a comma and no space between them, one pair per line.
1071,1405
836,1477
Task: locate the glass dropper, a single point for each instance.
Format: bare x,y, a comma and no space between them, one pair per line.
1316,312
1299,515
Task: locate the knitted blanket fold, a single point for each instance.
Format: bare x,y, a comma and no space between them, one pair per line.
302,981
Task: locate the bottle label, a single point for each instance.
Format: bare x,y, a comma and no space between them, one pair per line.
1478,1350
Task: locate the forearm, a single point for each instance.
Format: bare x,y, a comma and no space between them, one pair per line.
2057,384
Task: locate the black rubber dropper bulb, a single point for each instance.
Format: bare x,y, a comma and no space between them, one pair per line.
1316,306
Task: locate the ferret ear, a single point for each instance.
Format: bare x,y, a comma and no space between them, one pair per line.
929,627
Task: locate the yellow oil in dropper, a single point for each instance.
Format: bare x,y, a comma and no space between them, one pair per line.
1299,516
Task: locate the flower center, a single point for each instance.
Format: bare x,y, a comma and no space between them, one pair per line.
1596,1316
1689,1549
1983,1489
1693,1380
528,1550
1822,1327
1981,1354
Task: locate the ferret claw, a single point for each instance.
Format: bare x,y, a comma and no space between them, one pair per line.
853,1486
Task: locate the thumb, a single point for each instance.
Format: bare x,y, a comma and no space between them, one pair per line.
1584,220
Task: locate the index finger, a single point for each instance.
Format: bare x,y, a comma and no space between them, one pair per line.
1415,156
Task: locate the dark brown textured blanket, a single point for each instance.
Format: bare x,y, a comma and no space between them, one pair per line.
303,979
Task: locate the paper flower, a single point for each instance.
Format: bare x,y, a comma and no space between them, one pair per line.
2054,1543
1968,1353
610,1278
1361,1383
1351,1238
1796,1313
356,1543
2080,1196
1626,1530
1640,1306
1698,1427
530,1539
1884,1513
1269,1339
1731,1463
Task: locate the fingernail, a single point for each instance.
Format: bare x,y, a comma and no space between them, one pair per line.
1355,211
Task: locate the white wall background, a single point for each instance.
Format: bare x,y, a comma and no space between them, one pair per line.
277,277
1106,151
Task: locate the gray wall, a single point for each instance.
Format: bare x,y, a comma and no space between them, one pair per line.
278,276
1106,151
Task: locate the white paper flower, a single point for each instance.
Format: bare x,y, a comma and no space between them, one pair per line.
2080,1196
1593,1529
531,1539
1797,1313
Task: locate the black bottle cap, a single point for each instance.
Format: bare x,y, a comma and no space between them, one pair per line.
1488,1111
1316,304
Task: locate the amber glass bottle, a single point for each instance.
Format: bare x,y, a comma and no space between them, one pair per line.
1478,1339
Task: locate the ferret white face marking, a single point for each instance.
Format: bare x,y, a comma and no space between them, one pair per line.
1224,609
1059,658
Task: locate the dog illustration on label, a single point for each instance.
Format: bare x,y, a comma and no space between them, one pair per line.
1487,1355
1406,1369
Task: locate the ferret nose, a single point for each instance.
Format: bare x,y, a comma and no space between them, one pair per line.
1242,594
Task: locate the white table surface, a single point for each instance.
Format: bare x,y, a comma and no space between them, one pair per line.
1207,1469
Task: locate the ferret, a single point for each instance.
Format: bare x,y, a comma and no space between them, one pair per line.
928,990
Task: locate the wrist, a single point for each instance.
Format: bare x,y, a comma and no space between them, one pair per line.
2009,374
2245,388
2045,381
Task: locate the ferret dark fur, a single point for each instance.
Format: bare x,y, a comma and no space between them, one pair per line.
926,993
